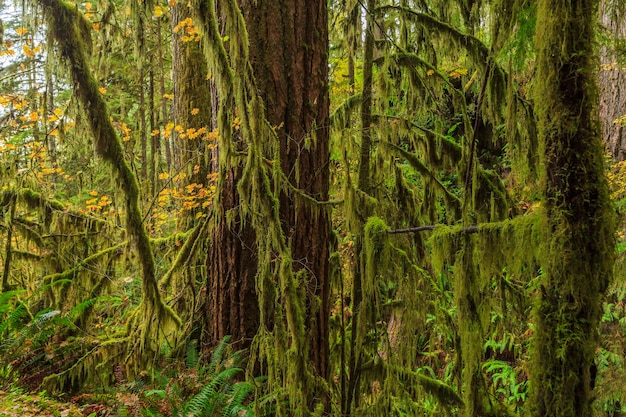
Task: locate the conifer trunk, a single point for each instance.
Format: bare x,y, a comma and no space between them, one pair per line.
288,43
612,80
192,98
288,54
577,258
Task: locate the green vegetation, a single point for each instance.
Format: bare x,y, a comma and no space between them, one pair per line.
310,207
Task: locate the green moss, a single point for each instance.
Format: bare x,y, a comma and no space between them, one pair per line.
66,25
578,224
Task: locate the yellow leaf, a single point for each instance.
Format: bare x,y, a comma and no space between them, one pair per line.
21,31
93,193
28,51
158,11
96,27
430,72
33,116
195,111
102,90
164,176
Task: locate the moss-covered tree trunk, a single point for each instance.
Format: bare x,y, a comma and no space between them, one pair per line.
288,53
69,29
352,397
231,304
577,258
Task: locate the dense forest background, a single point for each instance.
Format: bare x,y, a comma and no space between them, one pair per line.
311,207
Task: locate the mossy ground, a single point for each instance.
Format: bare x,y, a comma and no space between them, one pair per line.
17,404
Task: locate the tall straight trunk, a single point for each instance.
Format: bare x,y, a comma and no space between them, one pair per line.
354,362
166,140
273,236
612,80
231,303
155,152
288,54
192,100
577,258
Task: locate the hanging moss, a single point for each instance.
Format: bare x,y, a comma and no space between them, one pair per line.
68,28
577,253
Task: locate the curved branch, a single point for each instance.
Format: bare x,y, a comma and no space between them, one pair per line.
67,27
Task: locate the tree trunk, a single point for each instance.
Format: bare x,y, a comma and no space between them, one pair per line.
231,300
577,258
288,53
612,81
192,99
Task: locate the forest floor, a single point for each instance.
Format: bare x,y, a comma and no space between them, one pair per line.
15,404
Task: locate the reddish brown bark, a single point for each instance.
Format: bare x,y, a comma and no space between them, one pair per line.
288,53
232,306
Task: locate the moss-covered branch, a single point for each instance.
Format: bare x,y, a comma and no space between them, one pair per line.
67,27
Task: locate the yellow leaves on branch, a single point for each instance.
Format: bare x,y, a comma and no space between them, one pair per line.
158,11
125,132
189,32
190,197
98,204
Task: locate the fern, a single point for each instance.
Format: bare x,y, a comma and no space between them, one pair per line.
192,359
217,355
15,318
5,300
221,396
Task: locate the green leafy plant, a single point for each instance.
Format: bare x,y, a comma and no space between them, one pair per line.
223,395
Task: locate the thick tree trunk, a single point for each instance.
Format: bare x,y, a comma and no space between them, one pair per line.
577,258
288,53
612,81
231,301
231,307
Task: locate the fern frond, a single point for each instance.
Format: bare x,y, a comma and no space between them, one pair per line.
217,355
80,308
14,319
191,357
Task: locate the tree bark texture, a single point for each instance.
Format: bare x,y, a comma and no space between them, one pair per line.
231,302
288,54
191,91
577,258
612,80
